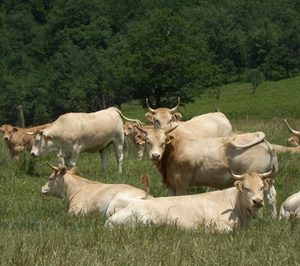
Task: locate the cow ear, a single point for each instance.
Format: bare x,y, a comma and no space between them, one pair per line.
268,182
177,116
149,116
15,129
140,139
239,184
62,170
169,139
73,170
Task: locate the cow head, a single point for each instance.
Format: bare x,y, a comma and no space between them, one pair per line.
8,132
295,139
252,187
129,128
55,185
163,117
155,140
42,143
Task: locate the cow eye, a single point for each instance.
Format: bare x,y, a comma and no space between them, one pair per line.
246,189
162,145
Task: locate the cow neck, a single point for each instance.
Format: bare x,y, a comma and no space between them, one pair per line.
163,164
74,185
245,214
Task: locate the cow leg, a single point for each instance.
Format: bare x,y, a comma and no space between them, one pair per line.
104,160
271,197
119,153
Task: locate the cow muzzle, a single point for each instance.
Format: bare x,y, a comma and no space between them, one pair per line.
45,190
6,138
258,203
155,156
33,154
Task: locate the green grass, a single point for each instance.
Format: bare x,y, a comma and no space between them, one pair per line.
36,230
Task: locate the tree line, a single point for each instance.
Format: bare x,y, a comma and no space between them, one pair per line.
61,56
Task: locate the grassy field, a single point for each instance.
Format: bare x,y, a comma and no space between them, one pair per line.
36,230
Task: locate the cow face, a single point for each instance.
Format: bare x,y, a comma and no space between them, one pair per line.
55,185
252,187
155,140
163,117
42,143
8,132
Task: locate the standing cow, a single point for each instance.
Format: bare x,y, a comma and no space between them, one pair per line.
206,125
73,133
184,161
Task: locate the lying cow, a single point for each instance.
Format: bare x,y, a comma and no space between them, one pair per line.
222,210
184,161
295,138
85,196
73,133
17,140
206,125
290,207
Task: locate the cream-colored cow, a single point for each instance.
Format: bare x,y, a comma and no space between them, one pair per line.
85,196
290,207
222,210
184,161
206,125
73,133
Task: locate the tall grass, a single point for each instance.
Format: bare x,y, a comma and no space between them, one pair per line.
36,230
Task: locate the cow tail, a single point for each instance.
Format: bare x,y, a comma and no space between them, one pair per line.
272,153
138,122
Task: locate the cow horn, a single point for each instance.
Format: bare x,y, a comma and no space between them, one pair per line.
290,129
235,176
174,108
260,138
141,129
29,133
171,129
150,109
267,174
52,167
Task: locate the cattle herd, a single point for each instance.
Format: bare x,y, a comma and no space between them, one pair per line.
202,151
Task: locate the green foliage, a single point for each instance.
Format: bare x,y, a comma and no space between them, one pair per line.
61,56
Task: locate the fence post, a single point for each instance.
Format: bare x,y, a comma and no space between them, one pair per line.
21,120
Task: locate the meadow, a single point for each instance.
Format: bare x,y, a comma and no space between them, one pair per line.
36,230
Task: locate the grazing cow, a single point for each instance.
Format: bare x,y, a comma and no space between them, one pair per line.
184,161
85,196
206,125
290,207
222,210
295,138
73,133
17,140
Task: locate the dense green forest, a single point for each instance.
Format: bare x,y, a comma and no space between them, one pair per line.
59,56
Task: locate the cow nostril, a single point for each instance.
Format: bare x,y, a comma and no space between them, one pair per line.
155,156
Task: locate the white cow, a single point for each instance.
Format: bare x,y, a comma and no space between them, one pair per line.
290,207
222,210
85,196
73,133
